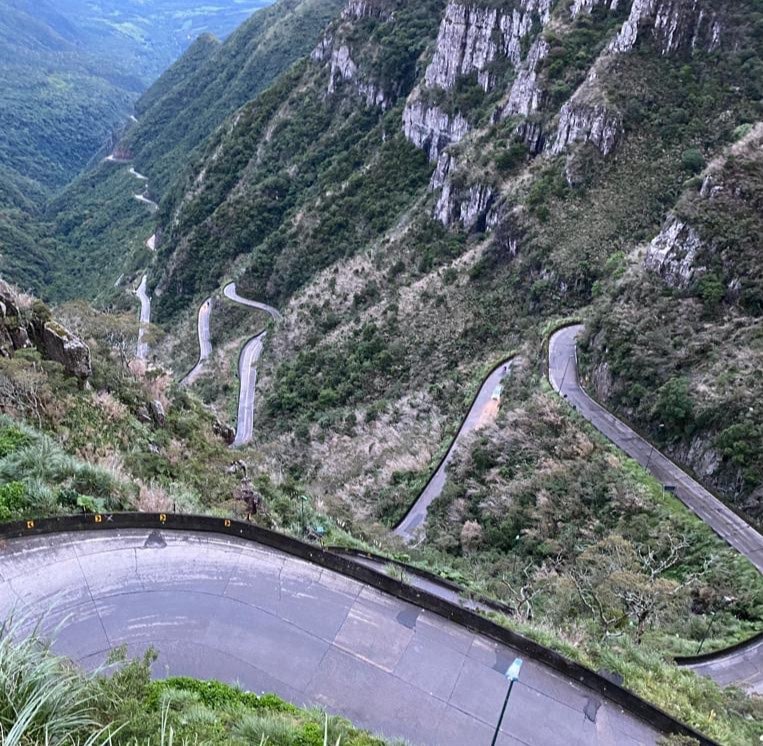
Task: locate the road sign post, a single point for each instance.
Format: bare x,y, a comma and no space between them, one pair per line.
512,675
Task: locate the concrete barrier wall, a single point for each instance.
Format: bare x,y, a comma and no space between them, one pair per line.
287,544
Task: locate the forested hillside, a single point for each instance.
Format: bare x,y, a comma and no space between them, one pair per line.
95,218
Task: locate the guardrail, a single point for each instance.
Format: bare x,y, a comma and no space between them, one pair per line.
626,699
453,441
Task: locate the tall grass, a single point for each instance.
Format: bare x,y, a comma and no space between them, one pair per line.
43,698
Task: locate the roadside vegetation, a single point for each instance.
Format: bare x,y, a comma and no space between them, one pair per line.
44,698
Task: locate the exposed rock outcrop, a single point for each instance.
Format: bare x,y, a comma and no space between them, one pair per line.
65,348
586,6
595,123
357,9
673,253
472,38
525,96
20,328
675,25
343,68
431,129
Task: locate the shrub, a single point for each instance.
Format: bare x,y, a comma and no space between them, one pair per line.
692,160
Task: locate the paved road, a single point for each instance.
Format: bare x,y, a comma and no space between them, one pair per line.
414,520
230,292
247,373
247,369
146,201
145,318
745,667
205,342
219,607
137,175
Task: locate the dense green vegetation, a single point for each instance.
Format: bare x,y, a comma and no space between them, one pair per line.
45,699
212,80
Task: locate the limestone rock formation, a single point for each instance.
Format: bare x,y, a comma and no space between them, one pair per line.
431,129
65,348
672,254
676,24
587,123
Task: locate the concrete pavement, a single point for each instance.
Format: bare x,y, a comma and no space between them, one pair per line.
230,292
744,667
146,201
247,373
416,516
145,318
247,369
205,342
220,607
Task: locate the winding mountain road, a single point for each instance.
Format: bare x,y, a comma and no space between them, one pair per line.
247,373
485,401
145,318
563,374
231,293
205,342
146,201
215,606
744,666
247,364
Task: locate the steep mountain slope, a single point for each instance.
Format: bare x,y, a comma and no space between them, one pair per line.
433,189
58,104
677,345
212,80
96,218
556,142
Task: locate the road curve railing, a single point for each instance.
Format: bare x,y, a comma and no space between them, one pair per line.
742,663
415,517
372,578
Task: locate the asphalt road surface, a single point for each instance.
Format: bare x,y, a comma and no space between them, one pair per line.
230,292
145,318
746,666
205,342
416,516
247,373
146,201
743,668
247,367
220,607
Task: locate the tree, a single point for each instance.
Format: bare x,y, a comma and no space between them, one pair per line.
674,406
625,586
692,160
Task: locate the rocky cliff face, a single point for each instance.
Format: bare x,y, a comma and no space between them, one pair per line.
335,49
672,254
587,123
475,40
25,323
674,24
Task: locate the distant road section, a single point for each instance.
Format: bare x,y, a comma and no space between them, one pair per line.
230,292
145,318
146,201
247,371
483,410
563,374
205,342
